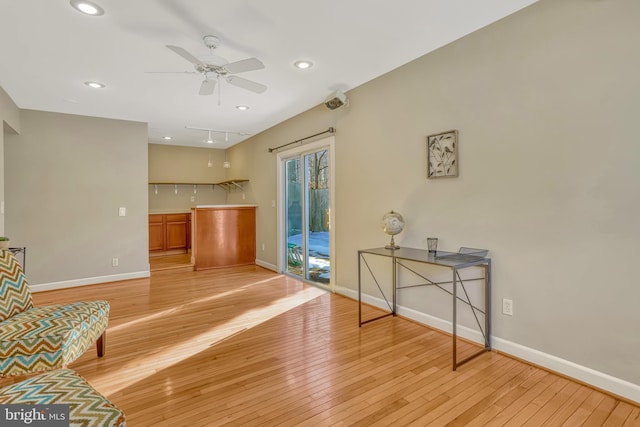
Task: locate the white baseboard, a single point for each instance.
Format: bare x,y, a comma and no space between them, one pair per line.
425,319
581,373
88,281
548,361
267,265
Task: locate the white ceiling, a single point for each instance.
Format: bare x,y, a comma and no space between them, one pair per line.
48,49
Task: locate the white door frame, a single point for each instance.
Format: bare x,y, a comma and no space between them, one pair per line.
328,143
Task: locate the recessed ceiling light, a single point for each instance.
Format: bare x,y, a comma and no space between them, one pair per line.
166,137
94,85
242,107
303,65
87,7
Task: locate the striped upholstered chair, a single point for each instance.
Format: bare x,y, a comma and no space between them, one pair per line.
34,339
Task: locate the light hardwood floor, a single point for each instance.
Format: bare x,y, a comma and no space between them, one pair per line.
180,261
245,346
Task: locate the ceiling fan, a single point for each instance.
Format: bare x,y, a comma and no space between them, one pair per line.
214,67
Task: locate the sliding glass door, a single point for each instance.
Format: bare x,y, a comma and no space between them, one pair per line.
307,213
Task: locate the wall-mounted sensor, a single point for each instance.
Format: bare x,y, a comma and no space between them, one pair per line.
336,100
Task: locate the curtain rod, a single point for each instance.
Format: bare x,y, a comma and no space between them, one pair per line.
330,130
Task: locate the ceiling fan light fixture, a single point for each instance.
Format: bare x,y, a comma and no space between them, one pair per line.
94,85
303,64
214,67
242,107
87,7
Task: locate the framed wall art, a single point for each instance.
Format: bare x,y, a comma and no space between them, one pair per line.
442,155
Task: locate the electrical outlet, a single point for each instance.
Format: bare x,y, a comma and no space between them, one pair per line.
114,262
507,307
193,198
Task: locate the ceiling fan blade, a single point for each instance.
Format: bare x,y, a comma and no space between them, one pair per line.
186,55
246,84
171,72
207,87
244,66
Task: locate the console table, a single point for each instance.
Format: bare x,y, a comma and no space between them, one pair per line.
454,261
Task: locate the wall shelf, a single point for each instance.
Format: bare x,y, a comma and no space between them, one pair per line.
229,185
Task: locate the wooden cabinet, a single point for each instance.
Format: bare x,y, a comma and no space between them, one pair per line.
224,236
176,231
156,233
169,232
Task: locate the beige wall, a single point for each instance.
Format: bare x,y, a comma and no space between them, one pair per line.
65,178
9,112
10,121
170,163
546,104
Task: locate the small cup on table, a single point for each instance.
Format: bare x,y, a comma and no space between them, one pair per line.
432,244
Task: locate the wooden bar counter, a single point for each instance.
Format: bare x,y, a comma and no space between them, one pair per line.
223,236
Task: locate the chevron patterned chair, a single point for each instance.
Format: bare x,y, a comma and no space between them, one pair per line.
87,407
35,339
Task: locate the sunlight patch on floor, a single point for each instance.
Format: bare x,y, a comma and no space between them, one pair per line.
165,313
139,368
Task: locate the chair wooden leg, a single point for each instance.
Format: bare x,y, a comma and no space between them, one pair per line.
101,344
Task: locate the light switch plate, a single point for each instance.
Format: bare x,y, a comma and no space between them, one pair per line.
122,211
